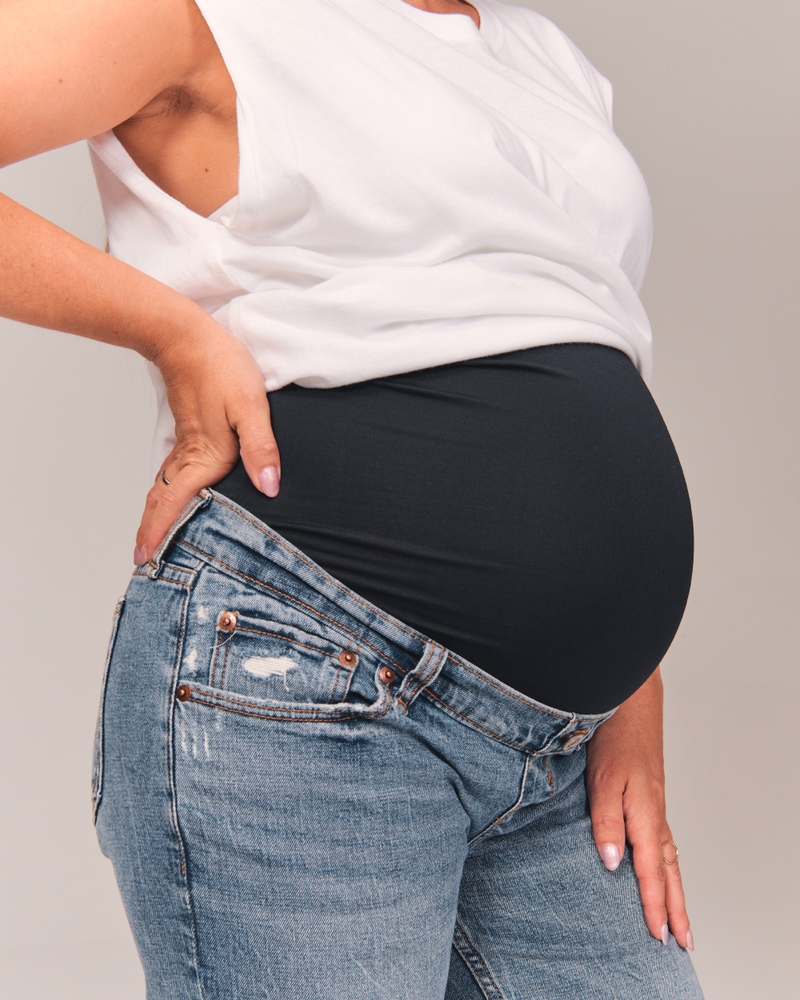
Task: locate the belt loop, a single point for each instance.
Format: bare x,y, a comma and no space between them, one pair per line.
425,672
192,507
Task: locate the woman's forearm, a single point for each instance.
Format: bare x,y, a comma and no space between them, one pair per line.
52,279
214,387
636,727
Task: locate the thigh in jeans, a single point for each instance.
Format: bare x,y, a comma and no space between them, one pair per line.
324,846
276,827
540,918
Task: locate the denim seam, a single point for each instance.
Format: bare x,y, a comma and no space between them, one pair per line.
227,644
278,635
99,757
348,675
174,794
510,811
195,941
307,607
171,734
244,700
212,674
480,971
173,583
212,701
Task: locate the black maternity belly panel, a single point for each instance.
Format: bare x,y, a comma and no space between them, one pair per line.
526,510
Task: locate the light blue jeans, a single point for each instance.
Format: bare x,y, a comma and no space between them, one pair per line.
306,800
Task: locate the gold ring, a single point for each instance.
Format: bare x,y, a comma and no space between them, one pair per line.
672,844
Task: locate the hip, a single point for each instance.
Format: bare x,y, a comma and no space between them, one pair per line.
282,768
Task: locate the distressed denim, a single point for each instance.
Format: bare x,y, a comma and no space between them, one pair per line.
304,799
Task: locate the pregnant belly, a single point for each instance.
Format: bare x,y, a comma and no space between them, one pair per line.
527,510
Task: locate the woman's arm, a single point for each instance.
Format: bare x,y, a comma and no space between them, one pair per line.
625,783
70,71
215,389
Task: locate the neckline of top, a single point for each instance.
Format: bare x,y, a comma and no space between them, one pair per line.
450,24
446,13
413,12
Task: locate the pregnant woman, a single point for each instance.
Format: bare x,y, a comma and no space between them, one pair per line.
381,718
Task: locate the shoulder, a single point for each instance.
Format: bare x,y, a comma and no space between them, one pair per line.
552,47
72,70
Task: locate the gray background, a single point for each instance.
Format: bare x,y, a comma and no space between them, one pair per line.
706,98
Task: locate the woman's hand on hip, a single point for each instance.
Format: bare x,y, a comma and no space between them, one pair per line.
625,784
217,398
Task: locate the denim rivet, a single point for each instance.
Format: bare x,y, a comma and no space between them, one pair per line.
227,621
347,659
183,693
387,675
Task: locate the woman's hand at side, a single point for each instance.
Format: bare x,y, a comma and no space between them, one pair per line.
214,387
217,398
625,785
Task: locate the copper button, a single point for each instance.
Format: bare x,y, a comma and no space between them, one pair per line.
183,693
575,739
387,675
227,621
347,659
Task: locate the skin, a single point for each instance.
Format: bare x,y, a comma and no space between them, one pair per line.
150,69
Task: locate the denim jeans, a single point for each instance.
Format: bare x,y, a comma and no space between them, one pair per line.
306,800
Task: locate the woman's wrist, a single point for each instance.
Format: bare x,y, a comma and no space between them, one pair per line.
54,280
185,335
635,729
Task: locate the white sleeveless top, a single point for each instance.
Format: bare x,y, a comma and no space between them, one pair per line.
413,191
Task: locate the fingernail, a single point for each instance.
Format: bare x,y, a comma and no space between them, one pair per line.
269,481
610,855
690,940
665,934
140,555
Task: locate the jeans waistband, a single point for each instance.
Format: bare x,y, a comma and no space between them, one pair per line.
217,531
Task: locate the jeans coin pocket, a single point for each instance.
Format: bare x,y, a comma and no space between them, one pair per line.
97,754
277,662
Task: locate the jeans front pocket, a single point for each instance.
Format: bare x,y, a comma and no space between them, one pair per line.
97,755
279,662
265,657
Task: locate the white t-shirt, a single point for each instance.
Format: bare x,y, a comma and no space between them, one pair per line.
413,191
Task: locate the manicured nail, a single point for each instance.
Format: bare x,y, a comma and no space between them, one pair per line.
665,934
140,555
690,940
610,855
269,481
